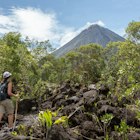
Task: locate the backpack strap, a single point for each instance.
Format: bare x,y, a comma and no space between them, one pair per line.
6,87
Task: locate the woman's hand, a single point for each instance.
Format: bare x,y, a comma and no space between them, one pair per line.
16,96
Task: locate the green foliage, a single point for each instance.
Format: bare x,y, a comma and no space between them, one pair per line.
63,120
133,31
53,69
39,89
136,109
106,119
40,49
15,57
14,133
117,66
85,64
46,120
122,129
23,130
12,39
122,72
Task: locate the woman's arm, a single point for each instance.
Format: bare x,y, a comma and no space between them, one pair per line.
9,90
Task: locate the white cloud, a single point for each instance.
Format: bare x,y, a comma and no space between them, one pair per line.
120,31
71,33
39,25
30,22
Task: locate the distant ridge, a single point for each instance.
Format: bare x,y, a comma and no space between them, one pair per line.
93,34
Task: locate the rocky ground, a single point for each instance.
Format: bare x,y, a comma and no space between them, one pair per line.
93,114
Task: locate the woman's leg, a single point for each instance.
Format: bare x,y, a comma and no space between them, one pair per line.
1,115
10,111
10,120
2,111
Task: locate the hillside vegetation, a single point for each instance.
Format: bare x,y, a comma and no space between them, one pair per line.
91,86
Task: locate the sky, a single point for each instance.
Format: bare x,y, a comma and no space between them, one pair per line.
61,20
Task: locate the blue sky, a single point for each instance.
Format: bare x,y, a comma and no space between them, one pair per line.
61,20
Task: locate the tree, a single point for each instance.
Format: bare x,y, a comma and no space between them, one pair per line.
133,31
39,49
12,39
86,63
15,57
122,70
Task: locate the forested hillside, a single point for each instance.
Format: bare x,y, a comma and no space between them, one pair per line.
114,71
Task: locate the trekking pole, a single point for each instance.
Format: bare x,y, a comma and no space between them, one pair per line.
15,115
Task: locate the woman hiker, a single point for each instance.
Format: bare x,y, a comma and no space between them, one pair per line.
6,104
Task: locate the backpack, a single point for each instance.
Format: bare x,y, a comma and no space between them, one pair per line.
3,90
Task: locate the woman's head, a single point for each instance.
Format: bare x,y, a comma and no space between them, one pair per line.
6,75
